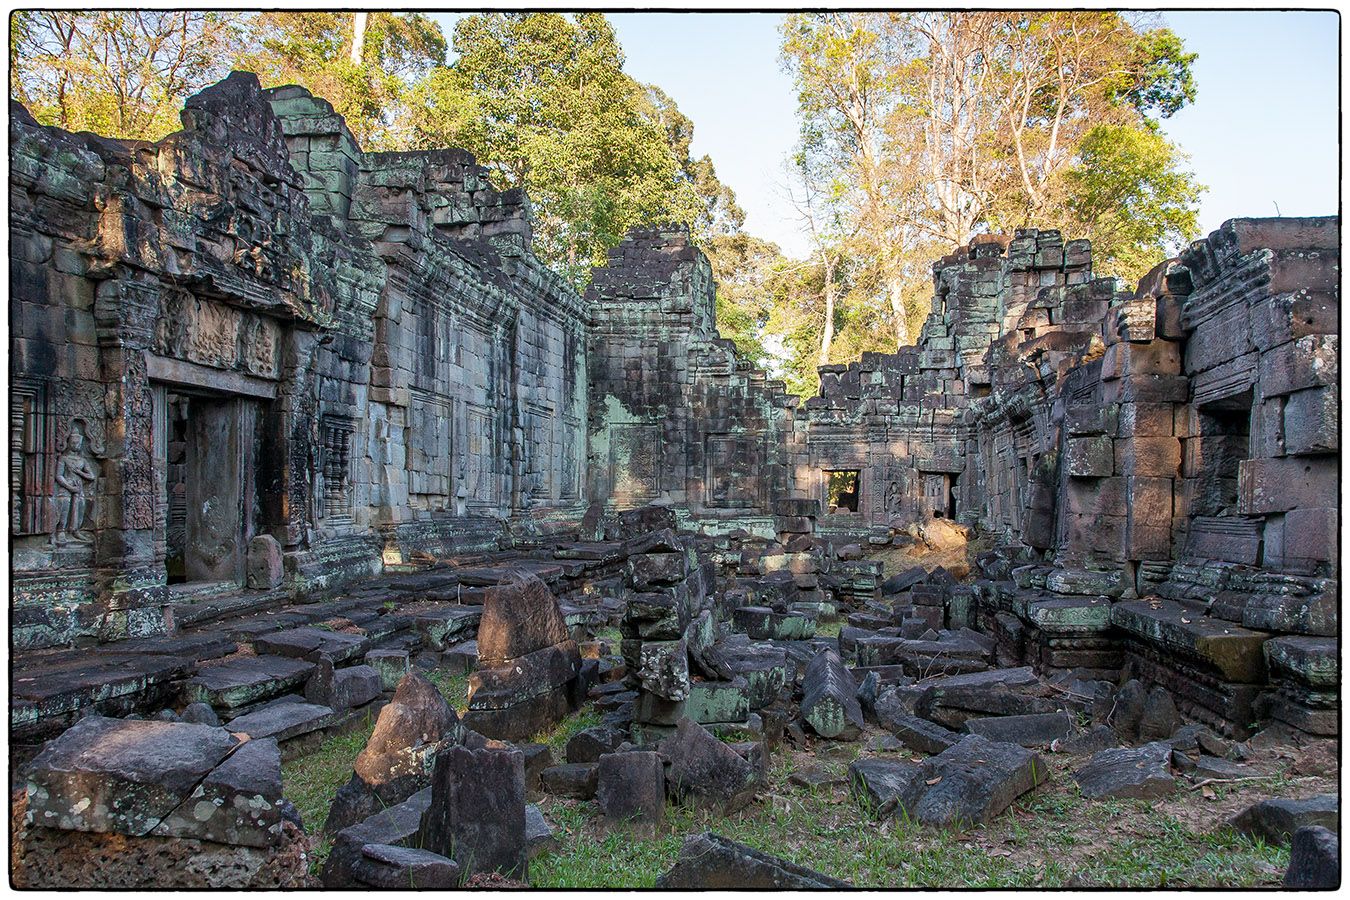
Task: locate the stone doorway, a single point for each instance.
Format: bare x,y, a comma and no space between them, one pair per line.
206,449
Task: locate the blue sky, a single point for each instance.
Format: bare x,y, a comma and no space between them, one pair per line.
1262,133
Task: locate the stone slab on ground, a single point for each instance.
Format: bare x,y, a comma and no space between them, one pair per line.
919,734
238,803
1276,820
306,641
878,783
971,782
397,824
1036,730
706,772
247,679
1140,773
120,776
709,861
391,867
282,721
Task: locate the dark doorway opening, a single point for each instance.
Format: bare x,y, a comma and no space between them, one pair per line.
208,486
1225,441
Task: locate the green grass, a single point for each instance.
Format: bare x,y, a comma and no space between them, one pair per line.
829,629
609,634
311,781
558,736
454,688
1051,838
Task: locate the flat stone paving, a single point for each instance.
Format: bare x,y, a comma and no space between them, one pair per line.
50,689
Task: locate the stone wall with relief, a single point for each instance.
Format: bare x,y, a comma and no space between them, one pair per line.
253,337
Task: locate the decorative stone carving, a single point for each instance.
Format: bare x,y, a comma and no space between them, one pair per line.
75,478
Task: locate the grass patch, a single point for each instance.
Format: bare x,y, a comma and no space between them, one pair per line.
1051,838
312,780
610,634
557,737
454,688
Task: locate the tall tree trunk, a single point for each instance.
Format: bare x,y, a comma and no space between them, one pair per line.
358,36
895,288
827,334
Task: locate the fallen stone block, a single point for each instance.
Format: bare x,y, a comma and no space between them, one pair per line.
1276,820
1140,773
830,698
341,689
390,867
245,680
903,581
878,783
704,771
391,665
1037,730
919,734
120,776
971,782
718,701
589,744
238,803
631,788
538,833
1314,860
399,757
282,721
663,669
710,862
397,825
518,618
313,644
477,811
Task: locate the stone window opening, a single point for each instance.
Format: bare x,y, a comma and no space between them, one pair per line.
842,490
335,496
30,447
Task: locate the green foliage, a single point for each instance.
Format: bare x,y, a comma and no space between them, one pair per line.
542,100
312,781
371,91
1136,201
558,736
920,130
120,73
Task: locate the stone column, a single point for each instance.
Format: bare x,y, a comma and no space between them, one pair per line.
294,425
129,562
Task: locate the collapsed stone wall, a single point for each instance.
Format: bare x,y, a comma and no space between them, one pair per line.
676,415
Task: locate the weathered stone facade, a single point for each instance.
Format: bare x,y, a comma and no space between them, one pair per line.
253,356
254,328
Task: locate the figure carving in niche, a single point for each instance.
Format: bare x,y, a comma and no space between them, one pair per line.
461,493
76,472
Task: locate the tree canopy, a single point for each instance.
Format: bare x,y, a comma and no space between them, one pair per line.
917,131
921,130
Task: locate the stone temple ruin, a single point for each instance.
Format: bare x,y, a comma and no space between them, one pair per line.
263,382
